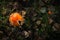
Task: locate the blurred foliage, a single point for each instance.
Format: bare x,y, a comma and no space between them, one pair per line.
37,25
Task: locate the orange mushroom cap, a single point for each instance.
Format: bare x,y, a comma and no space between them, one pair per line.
49,12
14,19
